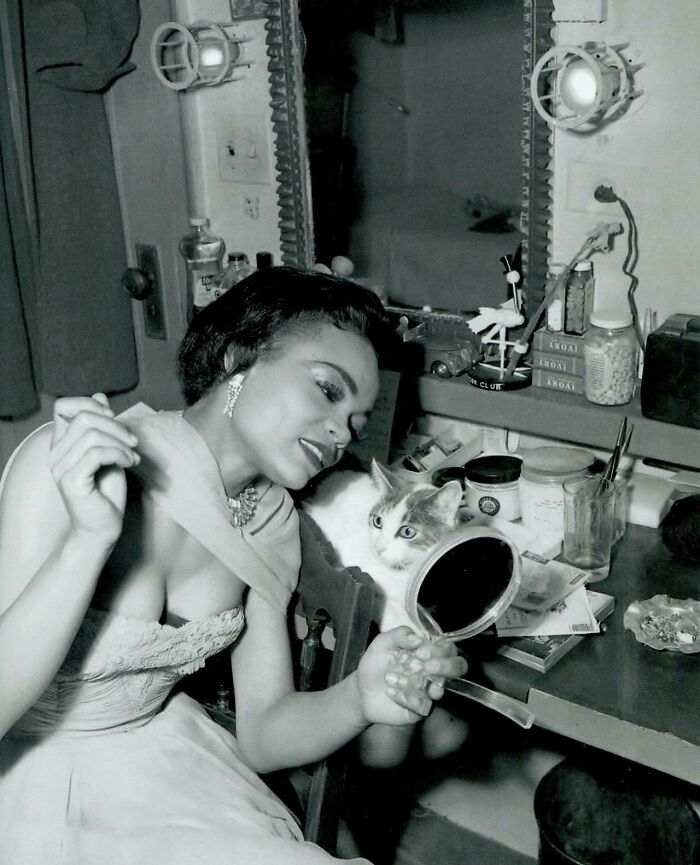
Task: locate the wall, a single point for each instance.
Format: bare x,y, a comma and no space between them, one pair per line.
237,113
650,154
458,75
168,150
463,78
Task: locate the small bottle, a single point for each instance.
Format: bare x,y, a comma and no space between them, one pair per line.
611,355
578,302
263,260
237,268
555,307
203,252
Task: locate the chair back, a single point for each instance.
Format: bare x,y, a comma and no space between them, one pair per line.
342,600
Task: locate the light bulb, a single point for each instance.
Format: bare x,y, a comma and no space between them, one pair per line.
578,86
210,53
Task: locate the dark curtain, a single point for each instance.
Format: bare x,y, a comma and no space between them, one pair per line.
18,229
61,225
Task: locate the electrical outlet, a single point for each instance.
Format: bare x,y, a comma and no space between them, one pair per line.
251,205
584,177
243,150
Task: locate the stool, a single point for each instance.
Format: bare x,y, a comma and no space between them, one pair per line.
613,813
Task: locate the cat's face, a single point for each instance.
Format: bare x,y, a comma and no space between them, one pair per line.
409,518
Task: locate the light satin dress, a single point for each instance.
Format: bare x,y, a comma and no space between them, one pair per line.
106,769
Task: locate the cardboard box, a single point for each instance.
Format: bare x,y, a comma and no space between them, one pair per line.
557,381
557,343
557,363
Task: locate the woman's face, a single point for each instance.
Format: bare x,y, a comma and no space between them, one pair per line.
301,405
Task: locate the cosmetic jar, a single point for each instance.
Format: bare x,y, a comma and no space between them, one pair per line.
542,474
492,486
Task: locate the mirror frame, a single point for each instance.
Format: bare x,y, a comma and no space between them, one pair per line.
285,49
537,159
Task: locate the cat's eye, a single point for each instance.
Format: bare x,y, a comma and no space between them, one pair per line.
407,533
376,521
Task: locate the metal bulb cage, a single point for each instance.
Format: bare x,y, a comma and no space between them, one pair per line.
176,55
612,85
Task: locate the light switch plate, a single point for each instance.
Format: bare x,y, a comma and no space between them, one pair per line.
153,311
242,147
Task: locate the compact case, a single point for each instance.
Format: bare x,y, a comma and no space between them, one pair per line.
671,378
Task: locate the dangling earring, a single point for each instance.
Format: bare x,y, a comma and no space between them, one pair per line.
233,390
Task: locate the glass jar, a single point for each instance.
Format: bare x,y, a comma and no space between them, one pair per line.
543,472
578,301
492,486
611,354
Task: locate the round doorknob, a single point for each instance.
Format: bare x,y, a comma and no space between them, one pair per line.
138,283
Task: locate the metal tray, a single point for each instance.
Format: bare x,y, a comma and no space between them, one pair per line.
665,623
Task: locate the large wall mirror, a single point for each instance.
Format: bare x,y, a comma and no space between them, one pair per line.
427,164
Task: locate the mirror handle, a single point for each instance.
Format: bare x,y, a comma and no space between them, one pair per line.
513,709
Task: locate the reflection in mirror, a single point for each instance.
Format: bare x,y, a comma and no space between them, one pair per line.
468,586
415,143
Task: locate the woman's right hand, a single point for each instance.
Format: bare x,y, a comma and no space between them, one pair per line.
88,455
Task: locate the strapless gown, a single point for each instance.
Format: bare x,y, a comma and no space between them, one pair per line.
106,770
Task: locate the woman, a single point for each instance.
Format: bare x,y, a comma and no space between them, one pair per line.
127,546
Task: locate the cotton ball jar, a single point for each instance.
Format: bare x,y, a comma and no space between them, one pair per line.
611,355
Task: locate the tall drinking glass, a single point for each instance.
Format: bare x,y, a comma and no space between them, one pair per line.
589,525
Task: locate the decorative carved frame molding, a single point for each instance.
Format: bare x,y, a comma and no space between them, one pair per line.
285,49
537,158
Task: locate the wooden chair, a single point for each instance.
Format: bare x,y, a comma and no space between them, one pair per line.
334,606
343,600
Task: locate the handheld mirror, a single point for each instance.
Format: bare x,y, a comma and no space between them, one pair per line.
462,588
465,584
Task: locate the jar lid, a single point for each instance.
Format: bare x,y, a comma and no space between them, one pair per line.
237,256
556,461
584,265
611,318
493,469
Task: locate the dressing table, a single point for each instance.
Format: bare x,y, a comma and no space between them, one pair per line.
612,692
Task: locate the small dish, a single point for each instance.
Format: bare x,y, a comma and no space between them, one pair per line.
665,623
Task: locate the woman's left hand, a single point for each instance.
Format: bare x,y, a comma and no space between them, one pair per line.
399,676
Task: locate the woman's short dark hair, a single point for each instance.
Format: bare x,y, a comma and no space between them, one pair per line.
267,305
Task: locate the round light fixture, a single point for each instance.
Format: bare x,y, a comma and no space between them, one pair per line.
201,55
578,88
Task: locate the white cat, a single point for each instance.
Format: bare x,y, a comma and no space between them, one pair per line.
384,524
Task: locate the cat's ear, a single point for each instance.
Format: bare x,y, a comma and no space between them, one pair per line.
384,479
445,501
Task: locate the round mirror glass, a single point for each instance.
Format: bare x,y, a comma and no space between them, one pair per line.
465,584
